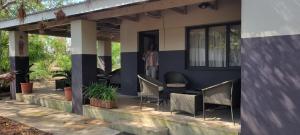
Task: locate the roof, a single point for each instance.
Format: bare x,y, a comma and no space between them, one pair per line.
70,10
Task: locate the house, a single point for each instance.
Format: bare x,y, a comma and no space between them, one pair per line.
209,41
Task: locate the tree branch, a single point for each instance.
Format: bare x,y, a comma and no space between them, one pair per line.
7,3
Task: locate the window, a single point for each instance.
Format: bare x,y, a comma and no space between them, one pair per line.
214,46
235,45
197,47
217,46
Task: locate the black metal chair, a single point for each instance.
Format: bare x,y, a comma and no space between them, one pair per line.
102,76
175,81
115,78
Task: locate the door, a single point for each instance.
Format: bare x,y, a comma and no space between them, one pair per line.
146,39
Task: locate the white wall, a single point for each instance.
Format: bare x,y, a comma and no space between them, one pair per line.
83,37
104,48
172,25
14,38
272,18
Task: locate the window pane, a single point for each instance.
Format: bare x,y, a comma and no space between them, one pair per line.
217,46
235,45
197,47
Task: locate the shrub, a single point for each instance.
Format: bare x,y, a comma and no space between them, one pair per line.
101,91
41,71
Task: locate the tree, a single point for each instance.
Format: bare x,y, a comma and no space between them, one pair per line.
116,55
4,62
20,8
43,50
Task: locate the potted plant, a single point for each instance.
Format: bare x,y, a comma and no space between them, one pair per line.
67,82
94,93
101,95
109,95
27,86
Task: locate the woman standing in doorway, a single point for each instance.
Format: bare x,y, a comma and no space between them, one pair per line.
151,62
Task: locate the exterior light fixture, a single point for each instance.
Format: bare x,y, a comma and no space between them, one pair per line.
208,5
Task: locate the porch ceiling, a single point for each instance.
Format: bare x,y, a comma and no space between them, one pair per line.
106,30
106,13
70,10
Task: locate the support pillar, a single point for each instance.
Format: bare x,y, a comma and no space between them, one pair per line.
84,60
270,101
19,61
105,61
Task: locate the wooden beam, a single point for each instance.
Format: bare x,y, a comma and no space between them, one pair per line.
156,14
52,33
143,8
134,18
181,10
114,21
209,5
214,5
49,24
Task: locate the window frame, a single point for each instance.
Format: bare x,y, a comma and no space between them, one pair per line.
206,28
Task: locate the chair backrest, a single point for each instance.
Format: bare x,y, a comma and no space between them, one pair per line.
236,93
101,71
219,94
115,77
149,87
175,77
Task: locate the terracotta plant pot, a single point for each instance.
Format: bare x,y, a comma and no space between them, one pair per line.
95,102
68,93
108,104
26,88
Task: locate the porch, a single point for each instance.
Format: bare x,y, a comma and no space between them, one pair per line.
92,35
128,116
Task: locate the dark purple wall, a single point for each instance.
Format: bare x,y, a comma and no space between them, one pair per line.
199,78
20,64
129,73
172,61
271,85
83,74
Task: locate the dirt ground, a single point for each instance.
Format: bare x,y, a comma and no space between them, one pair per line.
10,127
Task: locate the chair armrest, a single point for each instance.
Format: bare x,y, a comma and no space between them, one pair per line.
217,85
152,81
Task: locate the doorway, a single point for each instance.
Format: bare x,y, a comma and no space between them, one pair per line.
146,39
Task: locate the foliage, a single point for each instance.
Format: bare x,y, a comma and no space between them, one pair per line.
109,93
48,52
94,90
101,91
31,6
37,50
4,56
116,55
41,70
67,74
62,58
44,51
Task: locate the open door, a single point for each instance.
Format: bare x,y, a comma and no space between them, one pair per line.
146,39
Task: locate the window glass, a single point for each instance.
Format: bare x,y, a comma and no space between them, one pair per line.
235,45
197,47
217,46
208,46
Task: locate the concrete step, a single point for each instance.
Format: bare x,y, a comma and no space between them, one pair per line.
176,125
43,101
138,128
